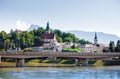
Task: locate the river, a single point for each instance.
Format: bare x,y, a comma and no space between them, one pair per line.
103,72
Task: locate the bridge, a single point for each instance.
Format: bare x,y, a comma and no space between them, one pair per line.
83,57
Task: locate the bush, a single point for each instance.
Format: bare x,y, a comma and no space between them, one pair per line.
50,61
1,49
28,50
92,62
34,61
67,62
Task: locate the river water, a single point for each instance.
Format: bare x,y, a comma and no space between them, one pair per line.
109,72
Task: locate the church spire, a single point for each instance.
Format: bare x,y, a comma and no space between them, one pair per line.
95,39
95,35
47,28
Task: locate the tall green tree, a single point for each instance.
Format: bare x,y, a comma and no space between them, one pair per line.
68,39
38,41
15,38
112,46
59,39
7,44
117,49
27,39
58,33
3,37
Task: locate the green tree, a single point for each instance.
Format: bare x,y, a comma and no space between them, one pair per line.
38,41
15,38
58,33
59,39
82,41
40,31
6,44
3,37
27,39
117,49
68,39
22,42
112,46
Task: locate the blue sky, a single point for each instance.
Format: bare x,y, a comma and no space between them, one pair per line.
85,15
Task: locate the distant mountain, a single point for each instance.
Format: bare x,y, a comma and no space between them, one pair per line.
32,27
102,37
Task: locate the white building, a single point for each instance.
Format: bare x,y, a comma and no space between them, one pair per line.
93,47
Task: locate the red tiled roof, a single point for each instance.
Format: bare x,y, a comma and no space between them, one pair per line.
18,31
47,36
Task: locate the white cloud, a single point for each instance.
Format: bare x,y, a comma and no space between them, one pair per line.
21,25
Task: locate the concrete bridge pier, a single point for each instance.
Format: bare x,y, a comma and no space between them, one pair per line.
20,62
77,62
0,59
85,62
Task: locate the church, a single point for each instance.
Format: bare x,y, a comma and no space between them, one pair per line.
48,37
49,40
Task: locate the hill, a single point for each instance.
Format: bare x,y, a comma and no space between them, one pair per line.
32,27
102,37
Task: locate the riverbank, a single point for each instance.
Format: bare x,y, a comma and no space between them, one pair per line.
12,64
62,63
36,64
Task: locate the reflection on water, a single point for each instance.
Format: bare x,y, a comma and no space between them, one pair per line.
61,73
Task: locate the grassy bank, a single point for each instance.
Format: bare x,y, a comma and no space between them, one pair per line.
72,49
48,63
7,64
10,64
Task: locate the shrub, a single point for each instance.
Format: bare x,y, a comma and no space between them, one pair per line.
28,50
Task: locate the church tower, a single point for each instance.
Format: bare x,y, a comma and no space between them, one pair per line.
47,28
95,39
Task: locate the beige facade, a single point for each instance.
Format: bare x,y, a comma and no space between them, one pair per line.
92,47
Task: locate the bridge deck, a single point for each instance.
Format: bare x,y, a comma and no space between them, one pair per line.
58,54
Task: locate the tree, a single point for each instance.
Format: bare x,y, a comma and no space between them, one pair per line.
22,42
112,46
27,38
15,38
6,44
40,31
117,49
58,33
68,39
38,41
82,41
59,39
3,37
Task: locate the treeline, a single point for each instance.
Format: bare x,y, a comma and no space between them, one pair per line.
113,47
16,40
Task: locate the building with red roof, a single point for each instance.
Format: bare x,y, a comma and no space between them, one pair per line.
49,39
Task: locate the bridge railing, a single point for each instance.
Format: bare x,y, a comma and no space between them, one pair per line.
60,53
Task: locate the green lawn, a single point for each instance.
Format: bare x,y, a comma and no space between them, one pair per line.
72,49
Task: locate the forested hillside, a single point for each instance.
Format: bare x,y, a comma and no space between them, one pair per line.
24,39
